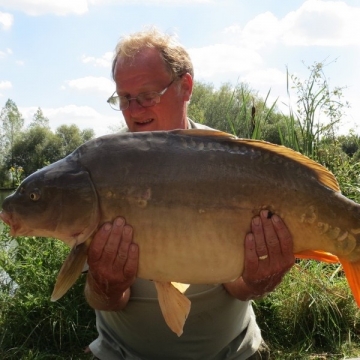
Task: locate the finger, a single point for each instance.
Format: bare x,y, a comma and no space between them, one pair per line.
271,239
284,236
111,246
131,265
123,250
260,243
251,256
98,242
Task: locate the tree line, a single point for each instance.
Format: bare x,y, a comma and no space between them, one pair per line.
23,150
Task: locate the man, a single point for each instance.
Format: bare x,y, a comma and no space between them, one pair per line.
154,80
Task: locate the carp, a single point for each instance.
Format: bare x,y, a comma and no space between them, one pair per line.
190,196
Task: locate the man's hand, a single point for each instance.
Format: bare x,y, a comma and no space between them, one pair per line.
268,256
113,262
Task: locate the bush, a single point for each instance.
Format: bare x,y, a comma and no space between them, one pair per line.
30,323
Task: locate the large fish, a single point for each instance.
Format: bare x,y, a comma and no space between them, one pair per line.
190,196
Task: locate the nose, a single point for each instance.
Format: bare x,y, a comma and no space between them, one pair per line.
135,107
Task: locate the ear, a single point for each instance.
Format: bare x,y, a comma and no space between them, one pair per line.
187,86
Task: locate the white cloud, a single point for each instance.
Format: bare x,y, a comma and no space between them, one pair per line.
5,85
5,53
41,7
6,20
83,116
152,2
264,29
314,23
103,61
322,23
92,83
222,58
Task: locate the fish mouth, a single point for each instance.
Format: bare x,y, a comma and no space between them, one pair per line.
5,217
8,220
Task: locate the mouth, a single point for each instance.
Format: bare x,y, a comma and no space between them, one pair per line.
144,123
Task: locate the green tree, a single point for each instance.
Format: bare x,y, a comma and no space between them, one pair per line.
71,137
11,125
37,147
40,120
238,110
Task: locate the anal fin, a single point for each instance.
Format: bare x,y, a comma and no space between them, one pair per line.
70,270
180,286
352,273
317,255
174,306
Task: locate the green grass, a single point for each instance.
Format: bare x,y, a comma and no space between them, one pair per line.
312,313
33,327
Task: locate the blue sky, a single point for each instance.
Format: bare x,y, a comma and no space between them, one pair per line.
57,54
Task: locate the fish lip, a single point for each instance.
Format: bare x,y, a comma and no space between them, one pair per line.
5,217
8,220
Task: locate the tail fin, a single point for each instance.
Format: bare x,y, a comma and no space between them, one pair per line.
317,255
352,273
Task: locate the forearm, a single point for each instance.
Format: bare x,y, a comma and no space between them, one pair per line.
241,291
101,297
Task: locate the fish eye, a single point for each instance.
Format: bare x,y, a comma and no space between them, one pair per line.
34,195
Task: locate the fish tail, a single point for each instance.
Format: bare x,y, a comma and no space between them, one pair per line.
317,255
352,273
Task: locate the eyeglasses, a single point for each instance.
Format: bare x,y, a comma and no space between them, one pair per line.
147,99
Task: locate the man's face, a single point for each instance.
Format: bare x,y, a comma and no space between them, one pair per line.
145,73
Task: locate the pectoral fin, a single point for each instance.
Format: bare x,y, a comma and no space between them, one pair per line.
174,306
70,270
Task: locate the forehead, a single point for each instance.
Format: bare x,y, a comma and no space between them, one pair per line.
147,64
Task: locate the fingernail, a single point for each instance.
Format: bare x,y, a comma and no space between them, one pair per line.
107,227
256,221
264,213
132,248
127,230
250,236
119,222
275,218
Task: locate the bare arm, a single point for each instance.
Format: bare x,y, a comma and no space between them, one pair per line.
113,262
268,257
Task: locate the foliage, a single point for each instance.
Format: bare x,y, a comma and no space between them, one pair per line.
10,130
238,110
36,146
318,110
311,312
71,137
40,120
29,322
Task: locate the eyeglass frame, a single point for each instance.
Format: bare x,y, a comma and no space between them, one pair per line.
159,93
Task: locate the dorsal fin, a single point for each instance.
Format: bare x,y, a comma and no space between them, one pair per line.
322,174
